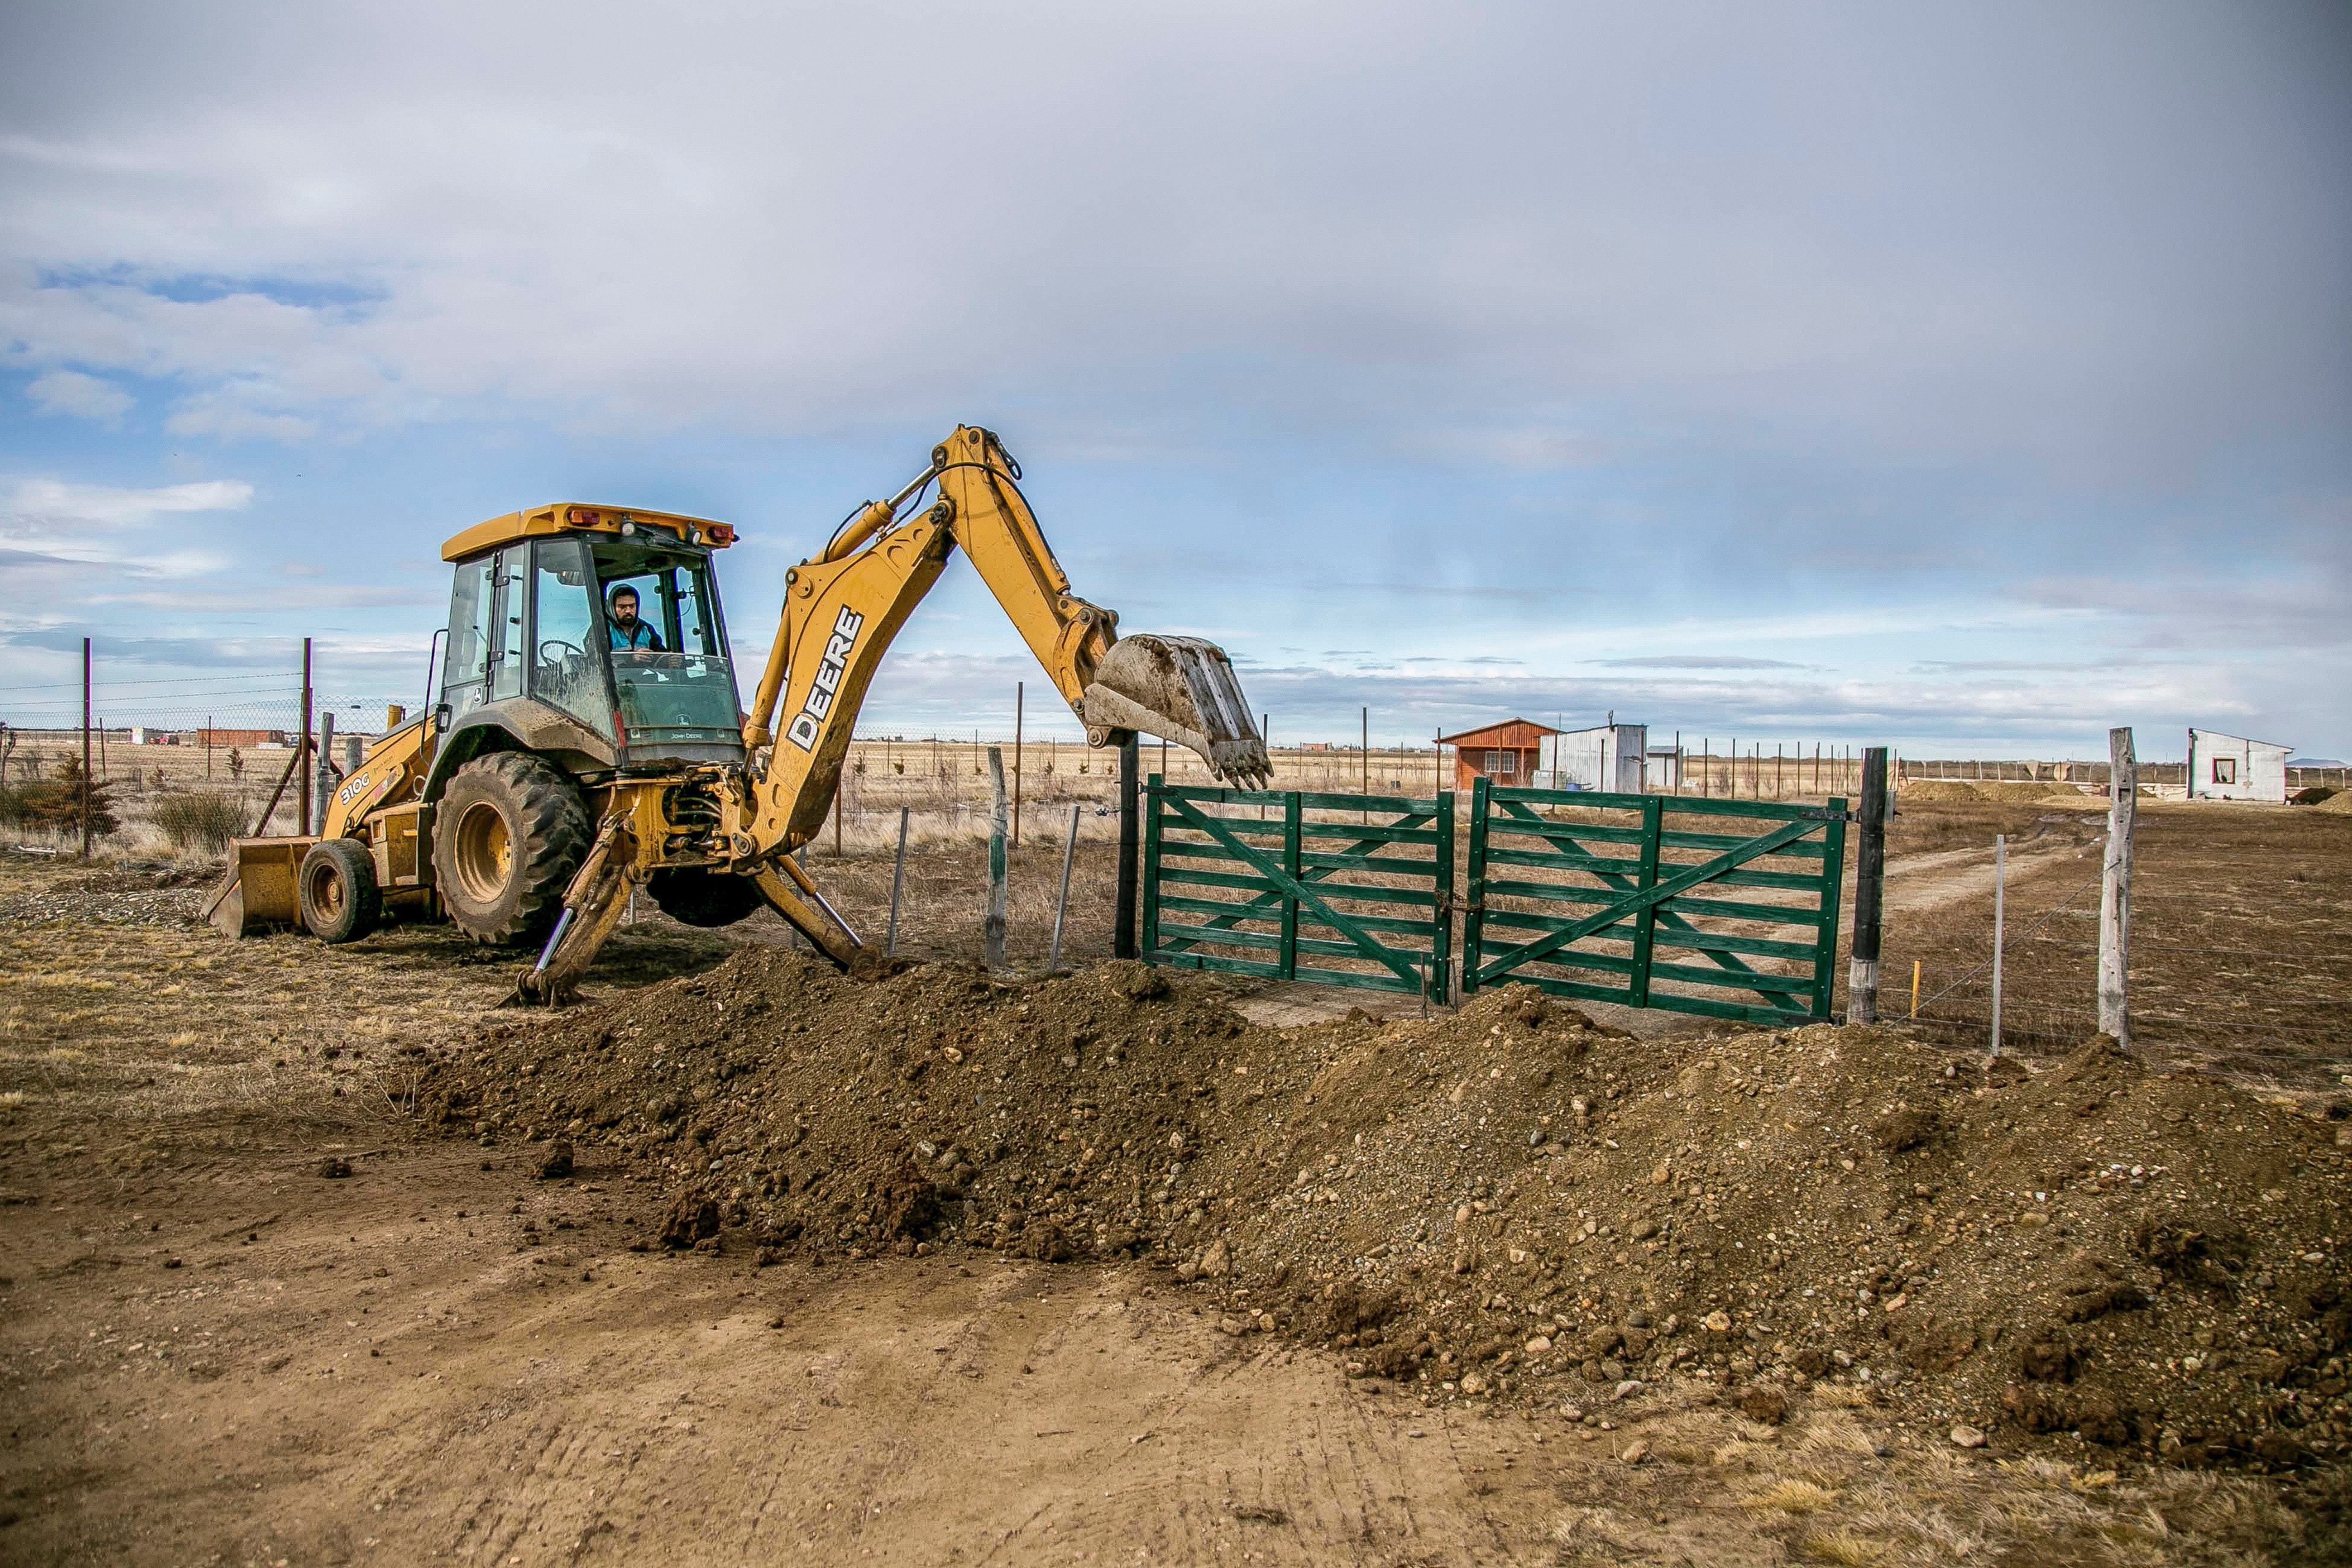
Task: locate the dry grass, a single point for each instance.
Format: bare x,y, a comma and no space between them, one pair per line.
1793,1495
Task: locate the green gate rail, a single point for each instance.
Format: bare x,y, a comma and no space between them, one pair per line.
1641,893
1251,871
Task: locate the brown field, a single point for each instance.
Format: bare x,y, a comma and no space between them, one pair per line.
213,1353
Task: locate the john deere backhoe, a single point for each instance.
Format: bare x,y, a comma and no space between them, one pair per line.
577,752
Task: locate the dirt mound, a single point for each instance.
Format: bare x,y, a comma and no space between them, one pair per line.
2340,802
2316,795
1508,1201
1939,791
2004,792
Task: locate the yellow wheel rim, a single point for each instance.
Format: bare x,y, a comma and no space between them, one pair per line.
484,853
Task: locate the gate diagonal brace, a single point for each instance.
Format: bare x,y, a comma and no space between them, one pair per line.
1521,811
1368,848
1215,828
1649,897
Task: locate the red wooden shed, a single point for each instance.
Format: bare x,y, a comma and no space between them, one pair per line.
1505,752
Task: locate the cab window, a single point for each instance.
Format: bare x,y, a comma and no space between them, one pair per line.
567,666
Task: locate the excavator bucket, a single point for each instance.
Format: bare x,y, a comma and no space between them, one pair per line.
257,895
1182,689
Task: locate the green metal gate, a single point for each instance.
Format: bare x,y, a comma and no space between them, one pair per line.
1342,890
1598,885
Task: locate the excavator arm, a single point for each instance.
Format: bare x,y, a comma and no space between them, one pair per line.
842,608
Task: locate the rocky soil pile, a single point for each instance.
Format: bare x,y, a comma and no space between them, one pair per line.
1509,1202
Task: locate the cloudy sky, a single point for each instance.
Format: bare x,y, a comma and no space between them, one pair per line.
1967,378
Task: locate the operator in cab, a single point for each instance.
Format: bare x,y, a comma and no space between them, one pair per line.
628,630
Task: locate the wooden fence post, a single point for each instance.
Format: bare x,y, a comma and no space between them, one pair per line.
1869,889
1999,900
323,785
1122,943
994,929
1069,853
2115,890
897,882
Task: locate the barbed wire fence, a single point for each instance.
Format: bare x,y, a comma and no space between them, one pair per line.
228,739
1963,1007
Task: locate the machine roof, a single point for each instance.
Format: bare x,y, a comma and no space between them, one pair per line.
581,516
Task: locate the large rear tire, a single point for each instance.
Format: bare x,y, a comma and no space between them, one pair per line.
694,897
508,835
336,892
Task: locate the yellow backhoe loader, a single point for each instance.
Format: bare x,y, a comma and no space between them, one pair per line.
587,738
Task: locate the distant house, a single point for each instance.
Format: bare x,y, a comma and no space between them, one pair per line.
1506,753
1608,757
2233,767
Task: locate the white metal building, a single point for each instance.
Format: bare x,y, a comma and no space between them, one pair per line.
1607,759
2233,767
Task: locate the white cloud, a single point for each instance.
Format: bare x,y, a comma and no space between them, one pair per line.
84,397
55,502
68,538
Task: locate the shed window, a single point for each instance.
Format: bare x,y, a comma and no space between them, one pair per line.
1494,763
2225,770
1510,762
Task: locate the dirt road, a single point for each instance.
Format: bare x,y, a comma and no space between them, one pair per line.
212,1353
233,1359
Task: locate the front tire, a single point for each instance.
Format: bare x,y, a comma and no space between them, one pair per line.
694,897
336,892
508,835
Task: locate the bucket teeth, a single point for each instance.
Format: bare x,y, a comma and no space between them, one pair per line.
1182,689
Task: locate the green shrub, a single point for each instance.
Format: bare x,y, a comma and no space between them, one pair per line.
201,822
56,806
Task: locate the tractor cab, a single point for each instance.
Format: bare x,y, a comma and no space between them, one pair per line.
593,635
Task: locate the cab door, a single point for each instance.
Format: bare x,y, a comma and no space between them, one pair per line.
510,652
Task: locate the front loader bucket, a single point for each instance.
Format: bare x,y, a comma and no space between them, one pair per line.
257,895
1182,689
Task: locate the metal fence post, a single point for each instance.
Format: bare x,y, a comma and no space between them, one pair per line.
302,755
85,748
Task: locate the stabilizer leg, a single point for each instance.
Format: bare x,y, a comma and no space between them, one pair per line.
593,905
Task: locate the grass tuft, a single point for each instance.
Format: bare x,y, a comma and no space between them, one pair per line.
1792,1496
1845,1546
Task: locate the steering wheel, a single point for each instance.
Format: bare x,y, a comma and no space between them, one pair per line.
559,642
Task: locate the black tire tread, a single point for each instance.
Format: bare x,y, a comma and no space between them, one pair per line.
553,838
362,899
692,896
